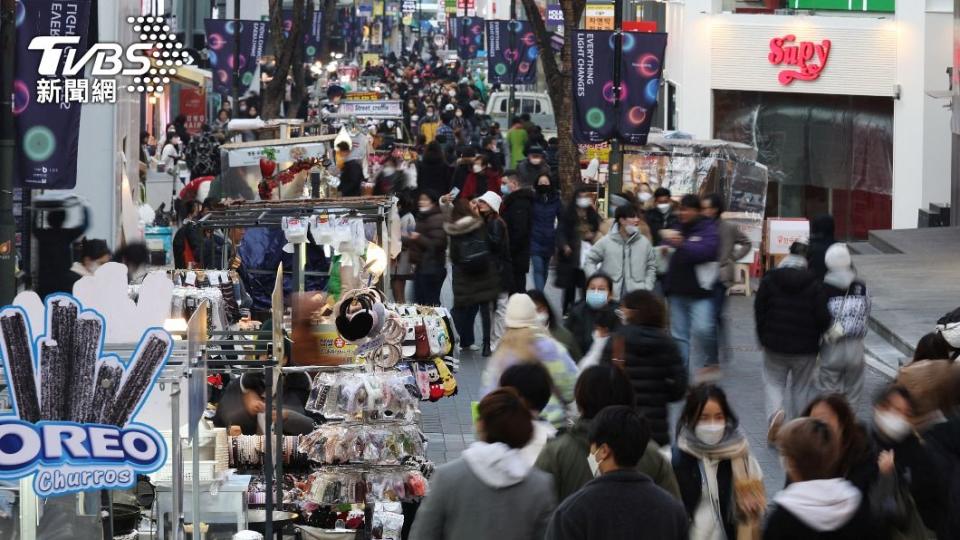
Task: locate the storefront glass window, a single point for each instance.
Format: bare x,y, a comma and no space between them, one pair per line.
826,154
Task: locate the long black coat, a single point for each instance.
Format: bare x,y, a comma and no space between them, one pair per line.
569,273
791,311
517,212
656,370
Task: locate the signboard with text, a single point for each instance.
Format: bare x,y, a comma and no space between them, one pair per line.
600,16
193,105
783,232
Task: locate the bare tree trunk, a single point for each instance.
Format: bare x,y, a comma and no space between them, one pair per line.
299,90
557,74
283,50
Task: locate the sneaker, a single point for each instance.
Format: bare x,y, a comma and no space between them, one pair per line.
775,424
474,347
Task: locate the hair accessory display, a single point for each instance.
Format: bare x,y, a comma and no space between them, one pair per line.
388,444
364,396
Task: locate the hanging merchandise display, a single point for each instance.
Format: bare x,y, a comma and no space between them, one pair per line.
511,52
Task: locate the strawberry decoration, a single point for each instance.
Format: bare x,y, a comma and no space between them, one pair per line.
268,163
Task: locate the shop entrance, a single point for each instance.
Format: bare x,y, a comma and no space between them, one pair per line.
826,154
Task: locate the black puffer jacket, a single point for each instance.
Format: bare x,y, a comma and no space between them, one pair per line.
517,212
791,311
470,288
656,370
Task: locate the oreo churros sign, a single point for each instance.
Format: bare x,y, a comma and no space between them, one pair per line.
74,407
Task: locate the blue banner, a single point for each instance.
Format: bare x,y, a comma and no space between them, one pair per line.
250,37
469,36
641,65
594,115
47,123
311,33
511,52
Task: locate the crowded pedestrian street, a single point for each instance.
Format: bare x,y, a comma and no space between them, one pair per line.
480,269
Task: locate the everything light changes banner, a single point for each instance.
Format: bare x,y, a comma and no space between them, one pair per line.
47,125
598,116
311,34
468,32
251,38
511,52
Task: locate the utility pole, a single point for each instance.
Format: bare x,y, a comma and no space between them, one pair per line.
8,249
511,100
236,59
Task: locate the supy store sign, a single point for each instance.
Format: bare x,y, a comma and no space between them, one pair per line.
802,60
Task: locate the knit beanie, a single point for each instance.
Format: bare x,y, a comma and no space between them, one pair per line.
521,312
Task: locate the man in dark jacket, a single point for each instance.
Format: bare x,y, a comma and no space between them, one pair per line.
650,358
661,216
517,212
620,502
55,250
791,314
351,176
188,241
532,168
690,278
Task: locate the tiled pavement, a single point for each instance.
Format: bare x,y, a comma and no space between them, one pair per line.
448,426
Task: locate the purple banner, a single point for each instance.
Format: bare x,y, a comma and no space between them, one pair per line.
311,33
220,44
511,52
469,36
47,124
641,65
594,114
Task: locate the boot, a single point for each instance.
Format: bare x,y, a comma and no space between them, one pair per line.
486,350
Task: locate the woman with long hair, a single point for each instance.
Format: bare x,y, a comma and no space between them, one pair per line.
721,483
552,323
579,223
858,459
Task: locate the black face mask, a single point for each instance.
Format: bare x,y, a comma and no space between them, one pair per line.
544,190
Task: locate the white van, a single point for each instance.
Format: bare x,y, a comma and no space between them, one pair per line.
536,104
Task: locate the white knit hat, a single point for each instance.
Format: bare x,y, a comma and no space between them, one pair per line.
492,199
837,257
521,312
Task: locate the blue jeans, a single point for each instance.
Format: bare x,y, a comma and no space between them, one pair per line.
427,288
694,318
541,266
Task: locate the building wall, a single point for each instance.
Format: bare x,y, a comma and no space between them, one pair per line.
905,68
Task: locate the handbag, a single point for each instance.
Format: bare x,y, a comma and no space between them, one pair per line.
836,332
748,488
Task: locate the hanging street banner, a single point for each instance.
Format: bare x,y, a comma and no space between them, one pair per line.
511,53
46,117
469,35
311,34
251,37
641,66
594,115
74,425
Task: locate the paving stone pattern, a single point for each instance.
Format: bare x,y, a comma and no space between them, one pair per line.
448,427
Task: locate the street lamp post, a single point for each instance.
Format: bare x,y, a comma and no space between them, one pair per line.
236,58
511,100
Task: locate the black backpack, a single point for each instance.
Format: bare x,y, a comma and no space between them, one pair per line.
475,253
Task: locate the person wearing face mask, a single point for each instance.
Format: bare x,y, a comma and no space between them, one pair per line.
480,179
459,122
582,317
170,154
547,210
351,173
94,253
430,124
390,179
919,461
578,226
567,457
518,213
650,358
489,205
491,151
491,491
620,502
625,255
428,249
532,168
552,323
661,215
720,481
817,503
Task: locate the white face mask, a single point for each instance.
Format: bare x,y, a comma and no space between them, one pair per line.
594,464
894,426
389,170
424,208
536,161
416,81
459,114
644,196
631,229
709,433
452,93
584,202
543,319
92,267
596,336
664,207
477,168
